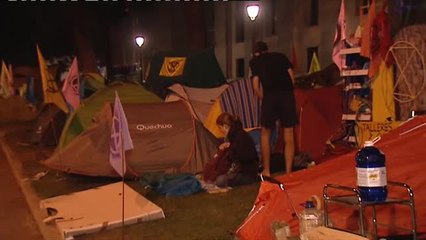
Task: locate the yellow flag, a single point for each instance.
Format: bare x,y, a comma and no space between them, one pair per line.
172,66
4,81
315,66
51,92
383,97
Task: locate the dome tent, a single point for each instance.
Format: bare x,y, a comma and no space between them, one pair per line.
166,138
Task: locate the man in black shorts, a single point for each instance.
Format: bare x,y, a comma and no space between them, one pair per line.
273,80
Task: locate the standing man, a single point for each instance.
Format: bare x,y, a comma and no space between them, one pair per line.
273,80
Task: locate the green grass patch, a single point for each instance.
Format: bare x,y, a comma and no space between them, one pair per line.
198,216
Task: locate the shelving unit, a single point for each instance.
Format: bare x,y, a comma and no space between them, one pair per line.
347,51
353,73
356,90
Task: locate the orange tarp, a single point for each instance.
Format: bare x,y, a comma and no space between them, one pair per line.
404,148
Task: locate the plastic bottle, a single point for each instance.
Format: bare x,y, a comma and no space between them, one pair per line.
310,218
280,230
371,173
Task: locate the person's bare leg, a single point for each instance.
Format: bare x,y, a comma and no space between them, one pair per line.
288,149
266,150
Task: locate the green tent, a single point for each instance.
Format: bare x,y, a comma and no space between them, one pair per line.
92,82
197,69
82,118
165,135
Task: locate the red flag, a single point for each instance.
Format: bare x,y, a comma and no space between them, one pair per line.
366,32
71,86
339,37
120,138
380,43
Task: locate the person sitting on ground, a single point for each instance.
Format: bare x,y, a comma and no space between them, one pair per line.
244,161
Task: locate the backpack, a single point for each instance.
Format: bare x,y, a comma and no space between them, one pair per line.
216,166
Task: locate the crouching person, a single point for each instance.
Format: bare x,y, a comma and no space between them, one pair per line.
243,158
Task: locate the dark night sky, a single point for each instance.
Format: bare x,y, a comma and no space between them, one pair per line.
17,28
50,25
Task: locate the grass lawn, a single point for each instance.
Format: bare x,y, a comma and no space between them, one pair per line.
198,216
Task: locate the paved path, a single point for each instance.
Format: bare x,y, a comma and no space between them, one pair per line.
16,219
20,217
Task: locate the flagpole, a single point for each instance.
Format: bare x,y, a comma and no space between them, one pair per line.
122,192
120,142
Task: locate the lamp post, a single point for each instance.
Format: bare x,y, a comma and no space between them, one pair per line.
140,40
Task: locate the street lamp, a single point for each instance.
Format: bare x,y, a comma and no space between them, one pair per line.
252,11
140,40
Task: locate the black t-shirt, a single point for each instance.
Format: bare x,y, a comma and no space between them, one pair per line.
272,69
242,150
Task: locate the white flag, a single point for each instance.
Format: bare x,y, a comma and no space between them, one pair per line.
120,138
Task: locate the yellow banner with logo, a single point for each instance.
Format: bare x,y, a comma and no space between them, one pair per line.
51,93
173,66
370,130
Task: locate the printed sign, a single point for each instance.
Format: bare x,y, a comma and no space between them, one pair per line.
370,130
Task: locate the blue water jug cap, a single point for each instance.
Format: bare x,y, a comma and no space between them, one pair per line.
309,204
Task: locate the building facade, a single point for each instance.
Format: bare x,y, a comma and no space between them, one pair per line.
307,25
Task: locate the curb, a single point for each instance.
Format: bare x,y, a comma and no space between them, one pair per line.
49,232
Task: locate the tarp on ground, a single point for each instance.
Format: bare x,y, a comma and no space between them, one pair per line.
82,118
99,209
404,150
166,138
197,69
